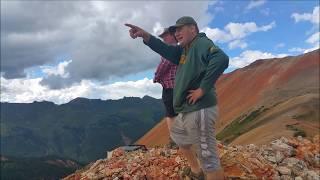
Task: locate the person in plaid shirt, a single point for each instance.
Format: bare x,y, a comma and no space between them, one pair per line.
165,75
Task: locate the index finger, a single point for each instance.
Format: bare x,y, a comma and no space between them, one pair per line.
130,25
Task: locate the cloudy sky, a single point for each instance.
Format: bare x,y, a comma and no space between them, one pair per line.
59,50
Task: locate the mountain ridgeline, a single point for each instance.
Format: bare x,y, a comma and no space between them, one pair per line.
83,129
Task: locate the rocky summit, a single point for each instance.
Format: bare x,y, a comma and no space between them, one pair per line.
284,158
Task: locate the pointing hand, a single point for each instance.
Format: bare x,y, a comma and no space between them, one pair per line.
136,31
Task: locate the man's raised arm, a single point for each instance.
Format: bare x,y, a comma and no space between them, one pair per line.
171,53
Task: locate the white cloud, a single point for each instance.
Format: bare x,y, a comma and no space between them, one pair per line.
296,49
138,88
157,29
91,33
239,30
311,49
60,69
311,17
217,35
237,43
235,33
29,90
303,50
249,56
255,3
314,39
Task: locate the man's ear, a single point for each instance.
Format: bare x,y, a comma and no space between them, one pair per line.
194,29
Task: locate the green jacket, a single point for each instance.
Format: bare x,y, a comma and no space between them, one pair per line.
198,66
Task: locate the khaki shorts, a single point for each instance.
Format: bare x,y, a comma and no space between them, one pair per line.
197,129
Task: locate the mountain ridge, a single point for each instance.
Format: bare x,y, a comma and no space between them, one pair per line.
71,130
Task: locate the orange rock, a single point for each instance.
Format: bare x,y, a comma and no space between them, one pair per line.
134,170
234,171
117,152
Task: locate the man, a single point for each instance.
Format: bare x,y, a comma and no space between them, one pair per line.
165,75
200,63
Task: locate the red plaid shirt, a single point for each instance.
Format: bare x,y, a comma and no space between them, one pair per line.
165,73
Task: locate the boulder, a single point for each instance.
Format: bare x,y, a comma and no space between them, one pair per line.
284,170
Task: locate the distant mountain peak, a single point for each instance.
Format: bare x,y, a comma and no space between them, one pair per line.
148,97
79,100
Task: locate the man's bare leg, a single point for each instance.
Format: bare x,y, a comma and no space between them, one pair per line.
190,155
169,122
215,175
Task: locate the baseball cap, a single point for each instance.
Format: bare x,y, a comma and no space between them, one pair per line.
165,31
182,21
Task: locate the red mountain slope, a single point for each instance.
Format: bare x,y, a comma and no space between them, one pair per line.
280,93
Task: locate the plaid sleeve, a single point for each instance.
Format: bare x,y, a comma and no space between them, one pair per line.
162,68
156,74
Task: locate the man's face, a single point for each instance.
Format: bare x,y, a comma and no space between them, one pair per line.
169,38
185,34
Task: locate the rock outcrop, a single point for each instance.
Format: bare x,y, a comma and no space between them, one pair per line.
284,158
